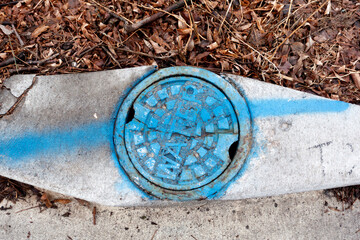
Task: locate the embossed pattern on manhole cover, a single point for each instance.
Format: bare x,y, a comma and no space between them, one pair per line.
181,133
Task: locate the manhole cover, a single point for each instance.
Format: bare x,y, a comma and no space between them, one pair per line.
183,133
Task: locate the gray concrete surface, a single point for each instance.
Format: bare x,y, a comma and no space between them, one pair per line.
60,138
293,216
17,84
7,100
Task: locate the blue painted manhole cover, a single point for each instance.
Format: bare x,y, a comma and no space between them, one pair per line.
179,134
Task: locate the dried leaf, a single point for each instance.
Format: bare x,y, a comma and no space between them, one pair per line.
328,8
191,45
185,31
44,198
3,55
285,67
245,27
158,49
62,201
148,44
5,30
356,79
83,202
211,4
213,46
309,43
341,69
181,22
318,62
297,47
39,31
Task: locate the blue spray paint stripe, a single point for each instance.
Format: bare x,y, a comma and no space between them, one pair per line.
56,141
282,107
91,135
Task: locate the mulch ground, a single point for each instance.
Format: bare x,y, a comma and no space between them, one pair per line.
311,46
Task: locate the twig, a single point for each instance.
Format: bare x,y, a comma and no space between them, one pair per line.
233,31
94,215
30,208
159,10
135,26
227,12
11,60
24,69
288,16
300,26
154,234
112,13
111,56
12,52
40,62
17,35
8,4
145,54
88,50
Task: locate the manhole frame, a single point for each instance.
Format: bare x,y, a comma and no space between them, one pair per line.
212,188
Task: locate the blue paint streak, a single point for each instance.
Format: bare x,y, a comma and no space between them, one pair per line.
56,141
255,152
281,107
127,183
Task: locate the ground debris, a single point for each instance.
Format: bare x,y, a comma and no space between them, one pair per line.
345,195
312,47
13,191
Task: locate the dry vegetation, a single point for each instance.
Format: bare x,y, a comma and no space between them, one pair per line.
309,45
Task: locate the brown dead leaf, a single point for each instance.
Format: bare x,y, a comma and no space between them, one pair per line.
297,47
341,69
44,198
285,68
83,202
3,55
309,43
300,63
211,4
158,49
62,201
181,22
74,4
191,45
356,79
328,8
39,30
245,27
213,46
185,31
6,30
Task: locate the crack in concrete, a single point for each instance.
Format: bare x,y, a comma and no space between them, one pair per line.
19,99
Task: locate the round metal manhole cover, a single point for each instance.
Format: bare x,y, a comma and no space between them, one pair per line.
182,133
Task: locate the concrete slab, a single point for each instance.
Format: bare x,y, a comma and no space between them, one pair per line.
7,100
17,84
293,216
61,138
